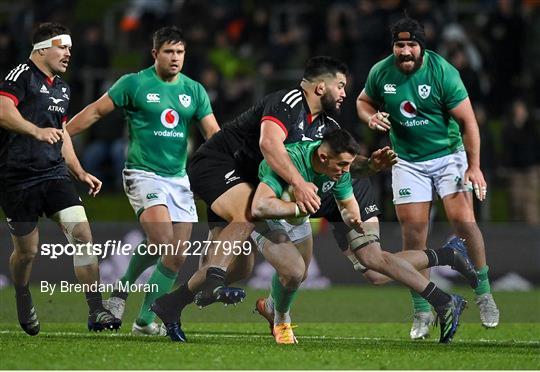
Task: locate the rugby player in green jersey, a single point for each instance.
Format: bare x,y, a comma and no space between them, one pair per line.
419,98
159,104
327,165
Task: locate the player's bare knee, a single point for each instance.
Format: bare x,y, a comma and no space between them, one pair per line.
292,275
371,256
25,256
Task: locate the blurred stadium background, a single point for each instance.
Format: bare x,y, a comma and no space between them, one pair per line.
241,49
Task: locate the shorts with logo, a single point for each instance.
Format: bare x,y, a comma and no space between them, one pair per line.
296,233
213,173
24,207
146,189
414,182
363,193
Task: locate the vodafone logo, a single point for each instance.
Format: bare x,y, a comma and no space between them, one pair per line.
408,109
169,118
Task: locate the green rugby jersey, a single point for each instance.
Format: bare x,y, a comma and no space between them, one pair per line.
158,114
418,104
300,153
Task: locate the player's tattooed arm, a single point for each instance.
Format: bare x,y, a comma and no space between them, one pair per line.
379,160
266,205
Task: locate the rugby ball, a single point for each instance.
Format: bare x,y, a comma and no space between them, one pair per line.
288,196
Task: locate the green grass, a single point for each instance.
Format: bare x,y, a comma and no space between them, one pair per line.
340,328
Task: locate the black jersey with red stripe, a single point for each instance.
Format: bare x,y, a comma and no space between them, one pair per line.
287,108
25,161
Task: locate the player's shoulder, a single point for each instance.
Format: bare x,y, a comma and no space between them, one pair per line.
192,85
290,97
383,65
130,79
331,123
189,81
18,73
438,62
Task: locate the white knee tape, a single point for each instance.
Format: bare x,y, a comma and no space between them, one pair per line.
69,218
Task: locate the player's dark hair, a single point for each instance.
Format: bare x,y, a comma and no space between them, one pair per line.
407,28
168,34
47,30
324,65
340,141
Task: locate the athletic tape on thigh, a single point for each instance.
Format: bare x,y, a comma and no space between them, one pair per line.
357,240
69,218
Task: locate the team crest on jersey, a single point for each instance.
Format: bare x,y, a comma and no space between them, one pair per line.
424,91
169,118
327,185
185,100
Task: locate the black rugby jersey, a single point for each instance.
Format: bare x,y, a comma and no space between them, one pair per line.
287,108
25,161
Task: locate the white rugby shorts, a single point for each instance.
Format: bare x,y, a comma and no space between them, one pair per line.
296,233
146,189
414,182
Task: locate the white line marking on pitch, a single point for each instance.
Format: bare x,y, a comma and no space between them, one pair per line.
336,338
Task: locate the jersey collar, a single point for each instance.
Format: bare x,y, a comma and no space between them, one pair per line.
48,80
306,106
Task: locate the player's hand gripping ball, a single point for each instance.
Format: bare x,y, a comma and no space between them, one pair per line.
288,196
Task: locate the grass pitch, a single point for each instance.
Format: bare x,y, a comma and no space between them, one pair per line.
340,328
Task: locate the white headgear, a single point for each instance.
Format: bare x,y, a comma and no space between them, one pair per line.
57,40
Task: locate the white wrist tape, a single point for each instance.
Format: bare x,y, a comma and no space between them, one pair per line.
53,41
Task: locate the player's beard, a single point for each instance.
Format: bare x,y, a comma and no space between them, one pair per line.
329,104
417,63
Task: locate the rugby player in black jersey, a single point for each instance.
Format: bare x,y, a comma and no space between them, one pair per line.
36,158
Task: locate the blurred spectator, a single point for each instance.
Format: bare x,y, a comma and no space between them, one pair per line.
487,160
7,51
521,140
105,152
505,31
459,60
430,17
368,46
91,61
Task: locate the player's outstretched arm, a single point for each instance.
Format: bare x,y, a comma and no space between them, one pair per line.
75,168
11,119
350,213
209,126
379,160
266,205
464,115
90,114
273,150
